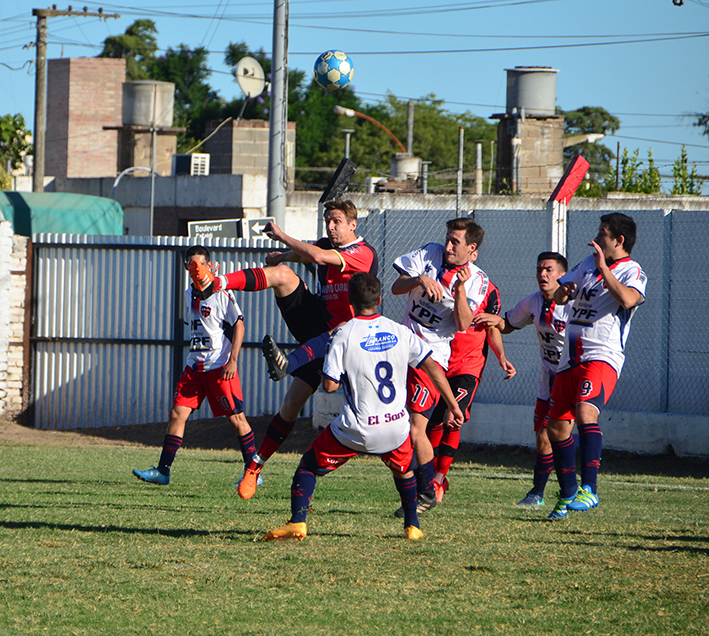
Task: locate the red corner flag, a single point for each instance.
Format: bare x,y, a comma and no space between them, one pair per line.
571,180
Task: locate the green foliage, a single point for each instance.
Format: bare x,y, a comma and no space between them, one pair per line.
5,179
582,121
88,549
14,142
633,177
187,69
137,46
685,181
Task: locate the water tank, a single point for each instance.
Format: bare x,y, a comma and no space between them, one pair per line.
404,166
532,88
145,102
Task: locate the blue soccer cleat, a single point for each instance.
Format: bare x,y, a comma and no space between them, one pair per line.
152,476
585,500
531,500
561,510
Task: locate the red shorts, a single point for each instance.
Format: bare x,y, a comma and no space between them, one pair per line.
541,411
224,396
330,454
589,383
421,393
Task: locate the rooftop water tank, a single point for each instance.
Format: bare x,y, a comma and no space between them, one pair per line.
145,102
532,88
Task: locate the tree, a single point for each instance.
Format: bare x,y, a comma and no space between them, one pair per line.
137,46
187,69
633,177
14,145
583,121
686,181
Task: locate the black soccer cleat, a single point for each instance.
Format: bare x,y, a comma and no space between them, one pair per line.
425,501
275,358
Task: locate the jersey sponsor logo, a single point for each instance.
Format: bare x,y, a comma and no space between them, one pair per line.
205,311
374,420
586,388
382,341
583,314
559,325
424,316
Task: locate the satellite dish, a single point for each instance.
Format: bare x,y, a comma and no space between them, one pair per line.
250,77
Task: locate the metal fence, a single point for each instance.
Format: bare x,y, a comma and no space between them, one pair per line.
108,335
109,341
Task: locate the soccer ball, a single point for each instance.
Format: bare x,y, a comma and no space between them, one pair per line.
333,70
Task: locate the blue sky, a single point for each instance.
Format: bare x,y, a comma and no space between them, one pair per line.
645,61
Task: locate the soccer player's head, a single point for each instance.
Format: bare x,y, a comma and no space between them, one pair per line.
340,221
619,228
463,238
365,292
196,251
550,267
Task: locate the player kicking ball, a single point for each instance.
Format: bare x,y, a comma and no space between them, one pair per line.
369,357
216,334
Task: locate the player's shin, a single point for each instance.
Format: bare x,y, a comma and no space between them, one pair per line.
591,443
301,493
565,466
409,496
171,445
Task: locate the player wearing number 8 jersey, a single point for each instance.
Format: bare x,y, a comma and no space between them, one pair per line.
445,288
606,287
369,357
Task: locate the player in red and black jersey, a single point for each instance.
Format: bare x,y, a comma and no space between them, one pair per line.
309,317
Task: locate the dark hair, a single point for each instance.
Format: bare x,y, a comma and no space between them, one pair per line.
554,256
621,225
196,250
365,290
346,207
473,232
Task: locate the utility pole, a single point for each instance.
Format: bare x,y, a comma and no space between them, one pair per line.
278,126
40,84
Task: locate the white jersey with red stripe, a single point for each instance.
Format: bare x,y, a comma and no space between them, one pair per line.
211,322
598,326
370,357
550,321
435,321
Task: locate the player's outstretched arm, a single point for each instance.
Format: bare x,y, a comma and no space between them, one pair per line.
405,283
306,251
494,339
455,415
230,368
492,320
626,296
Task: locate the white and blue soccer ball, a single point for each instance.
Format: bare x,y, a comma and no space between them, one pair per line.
333,70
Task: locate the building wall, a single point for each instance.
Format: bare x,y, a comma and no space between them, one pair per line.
541,155
13,288
83,96
241,147
135,149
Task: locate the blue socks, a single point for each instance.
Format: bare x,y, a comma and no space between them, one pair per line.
565,465
409,496
542,469
313,349
171,444
591,443
301,493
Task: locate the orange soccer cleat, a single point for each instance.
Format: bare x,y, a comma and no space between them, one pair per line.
412,533
297,531
248,483
201,276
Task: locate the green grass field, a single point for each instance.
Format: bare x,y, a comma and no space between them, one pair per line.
85,548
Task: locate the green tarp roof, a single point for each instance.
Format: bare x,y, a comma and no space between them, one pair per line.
61,213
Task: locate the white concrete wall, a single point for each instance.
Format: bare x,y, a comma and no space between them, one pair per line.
13,281
510,425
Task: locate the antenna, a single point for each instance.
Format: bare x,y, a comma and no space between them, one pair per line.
250,77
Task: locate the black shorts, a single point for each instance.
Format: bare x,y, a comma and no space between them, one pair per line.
463,387
306,317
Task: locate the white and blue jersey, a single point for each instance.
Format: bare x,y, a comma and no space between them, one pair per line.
370,356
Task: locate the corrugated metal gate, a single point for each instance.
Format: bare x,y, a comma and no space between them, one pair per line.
108,335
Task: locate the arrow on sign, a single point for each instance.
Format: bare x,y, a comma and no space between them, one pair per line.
257,228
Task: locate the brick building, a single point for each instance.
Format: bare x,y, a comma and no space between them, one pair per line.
83,96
